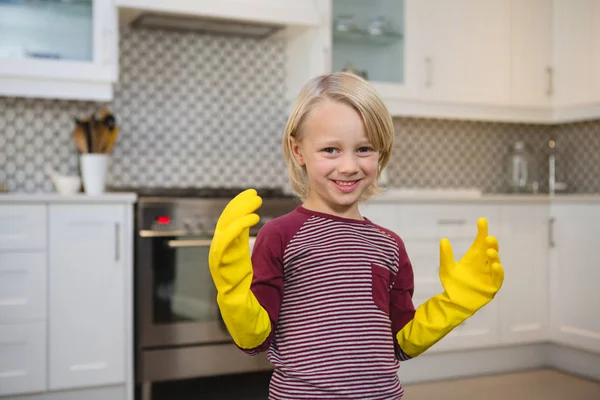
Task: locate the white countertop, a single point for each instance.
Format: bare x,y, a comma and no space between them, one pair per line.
393,195
32,198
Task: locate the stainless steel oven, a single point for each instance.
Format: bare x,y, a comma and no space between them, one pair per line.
179,330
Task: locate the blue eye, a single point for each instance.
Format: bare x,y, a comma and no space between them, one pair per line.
329,150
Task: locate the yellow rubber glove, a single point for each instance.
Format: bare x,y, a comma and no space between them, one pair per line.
231,269
468,285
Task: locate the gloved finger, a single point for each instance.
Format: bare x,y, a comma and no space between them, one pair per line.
223,239
446,254
498,274
492,242
493,256
482,232
244,203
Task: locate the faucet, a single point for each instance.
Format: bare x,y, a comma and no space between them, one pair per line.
552,168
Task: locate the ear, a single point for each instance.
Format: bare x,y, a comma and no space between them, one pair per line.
297,151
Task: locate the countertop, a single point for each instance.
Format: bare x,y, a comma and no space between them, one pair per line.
393,195
32,198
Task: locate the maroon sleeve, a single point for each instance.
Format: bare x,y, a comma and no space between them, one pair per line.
267,280
267,265
402,309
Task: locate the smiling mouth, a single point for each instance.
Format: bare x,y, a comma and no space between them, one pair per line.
345,183
346,186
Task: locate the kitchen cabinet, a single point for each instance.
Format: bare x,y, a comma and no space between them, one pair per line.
531,51
87,296
23,272
66,321
577,53
379,39
466,53
523,299
58,49
534,61
574,275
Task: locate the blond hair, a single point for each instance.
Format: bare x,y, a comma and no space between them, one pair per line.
354,91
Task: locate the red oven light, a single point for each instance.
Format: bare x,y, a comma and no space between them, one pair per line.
163,220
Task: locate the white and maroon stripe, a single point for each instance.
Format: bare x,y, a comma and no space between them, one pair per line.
331,339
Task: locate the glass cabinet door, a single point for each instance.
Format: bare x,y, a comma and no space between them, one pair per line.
47,29
368,39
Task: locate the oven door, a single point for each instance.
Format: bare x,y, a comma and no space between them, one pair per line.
177,295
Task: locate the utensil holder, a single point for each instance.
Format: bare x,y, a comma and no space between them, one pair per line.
94,167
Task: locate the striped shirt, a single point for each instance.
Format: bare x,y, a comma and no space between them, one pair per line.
337,291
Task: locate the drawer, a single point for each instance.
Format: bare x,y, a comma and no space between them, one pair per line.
22,227
436,222
22,287
22,358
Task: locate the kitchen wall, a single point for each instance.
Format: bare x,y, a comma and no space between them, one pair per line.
200,110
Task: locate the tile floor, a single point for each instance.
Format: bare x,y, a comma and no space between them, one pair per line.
528,385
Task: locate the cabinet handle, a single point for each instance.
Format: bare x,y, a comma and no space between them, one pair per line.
428,69
551,242
327,59
117,237
451,221
550,74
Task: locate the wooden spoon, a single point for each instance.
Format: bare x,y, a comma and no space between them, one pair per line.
79,134
112,139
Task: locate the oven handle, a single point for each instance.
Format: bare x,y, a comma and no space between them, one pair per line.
189,243
197,242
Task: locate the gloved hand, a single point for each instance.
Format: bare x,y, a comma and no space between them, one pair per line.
472,282
469,284
231,269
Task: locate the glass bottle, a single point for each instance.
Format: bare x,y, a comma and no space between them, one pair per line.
521,170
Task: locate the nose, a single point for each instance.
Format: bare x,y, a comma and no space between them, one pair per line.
348,164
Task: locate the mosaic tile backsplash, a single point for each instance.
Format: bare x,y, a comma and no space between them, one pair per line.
201,110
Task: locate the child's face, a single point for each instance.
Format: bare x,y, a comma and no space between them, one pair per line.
340,161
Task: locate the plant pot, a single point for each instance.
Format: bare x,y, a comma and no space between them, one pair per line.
94,169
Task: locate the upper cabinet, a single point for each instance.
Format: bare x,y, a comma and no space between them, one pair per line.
466,51
502,60
58,49
531,67
577,53
368,38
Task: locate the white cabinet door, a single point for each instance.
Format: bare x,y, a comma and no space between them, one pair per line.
56,49
467,55
523,298
577,52
531,53
574,275
86,296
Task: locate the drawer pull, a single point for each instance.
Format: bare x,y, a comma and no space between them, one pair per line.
13,302
452,221
13,271
88,367
12,374
16,342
